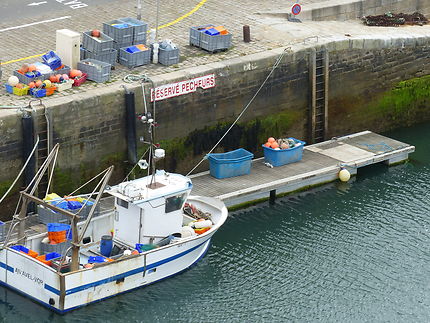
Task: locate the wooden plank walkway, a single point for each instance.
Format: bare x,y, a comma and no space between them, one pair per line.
320,164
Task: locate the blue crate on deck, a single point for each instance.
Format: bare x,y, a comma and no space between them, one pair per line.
9,88
52,60
232,163
38,93
284,156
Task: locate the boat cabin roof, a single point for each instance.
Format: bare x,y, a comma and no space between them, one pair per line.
150,187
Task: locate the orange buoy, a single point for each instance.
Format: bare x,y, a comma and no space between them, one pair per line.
31,68
19,85
274,145
38,83
32,85
95,33
57,78
53,78
267,144
271,139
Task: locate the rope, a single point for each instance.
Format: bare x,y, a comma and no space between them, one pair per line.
21,171
130,78
277,62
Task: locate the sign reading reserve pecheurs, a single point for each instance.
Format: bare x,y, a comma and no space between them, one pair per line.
184,87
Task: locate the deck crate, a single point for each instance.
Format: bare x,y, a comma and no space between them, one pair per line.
99,45
79,81
168,56
195,33
284,156
118,30
107,57
23,78
213,43
21,91
96,71
38,93
134,59
65,85
229,164
140,29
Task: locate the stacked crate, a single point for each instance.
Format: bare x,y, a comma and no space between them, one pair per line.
126,32
210,38
98,48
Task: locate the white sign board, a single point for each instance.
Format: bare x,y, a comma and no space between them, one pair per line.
184,87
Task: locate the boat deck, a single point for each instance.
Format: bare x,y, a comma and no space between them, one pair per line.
321,163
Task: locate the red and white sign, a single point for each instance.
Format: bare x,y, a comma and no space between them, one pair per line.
296,9
184,87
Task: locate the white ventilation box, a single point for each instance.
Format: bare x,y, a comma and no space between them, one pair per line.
68,43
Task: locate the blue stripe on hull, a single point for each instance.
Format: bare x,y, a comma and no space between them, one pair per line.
107,280
5,266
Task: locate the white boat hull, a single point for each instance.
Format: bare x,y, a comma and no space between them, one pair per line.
64,292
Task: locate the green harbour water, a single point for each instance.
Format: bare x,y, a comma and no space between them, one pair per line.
343,252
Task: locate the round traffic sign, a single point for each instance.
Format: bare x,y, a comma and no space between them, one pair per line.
295,9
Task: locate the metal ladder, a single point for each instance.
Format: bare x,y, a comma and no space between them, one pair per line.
319,73
42,128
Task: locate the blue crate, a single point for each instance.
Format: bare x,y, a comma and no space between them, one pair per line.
232,163
96,259
52,255
9,88
52,60
38,93
20,248
57,227
284,156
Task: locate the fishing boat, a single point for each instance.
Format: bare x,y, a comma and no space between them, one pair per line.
83,248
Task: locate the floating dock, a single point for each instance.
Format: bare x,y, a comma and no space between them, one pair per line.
320,164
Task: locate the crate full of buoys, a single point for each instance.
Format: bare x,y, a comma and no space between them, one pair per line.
283,151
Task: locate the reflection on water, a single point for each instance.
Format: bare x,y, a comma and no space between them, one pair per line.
345,252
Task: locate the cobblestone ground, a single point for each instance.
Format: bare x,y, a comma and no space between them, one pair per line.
268,31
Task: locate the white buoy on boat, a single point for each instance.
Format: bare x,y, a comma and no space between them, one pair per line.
344,175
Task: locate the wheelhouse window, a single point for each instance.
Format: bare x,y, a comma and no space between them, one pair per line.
122,203
174,203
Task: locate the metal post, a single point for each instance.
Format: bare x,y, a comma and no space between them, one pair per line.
139,9
246,34
156,20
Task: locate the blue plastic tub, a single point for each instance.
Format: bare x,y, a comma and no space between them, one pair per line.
230,164
212,32
57,227
284,156
18,247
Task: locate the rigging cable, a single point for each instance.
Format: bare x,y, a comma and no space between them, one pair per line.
277,62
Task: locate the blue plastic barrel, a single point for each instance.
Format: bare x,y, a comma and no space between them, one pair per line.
106,245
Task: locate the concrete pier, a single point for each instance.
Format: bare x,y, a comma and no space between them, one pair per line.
320,164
